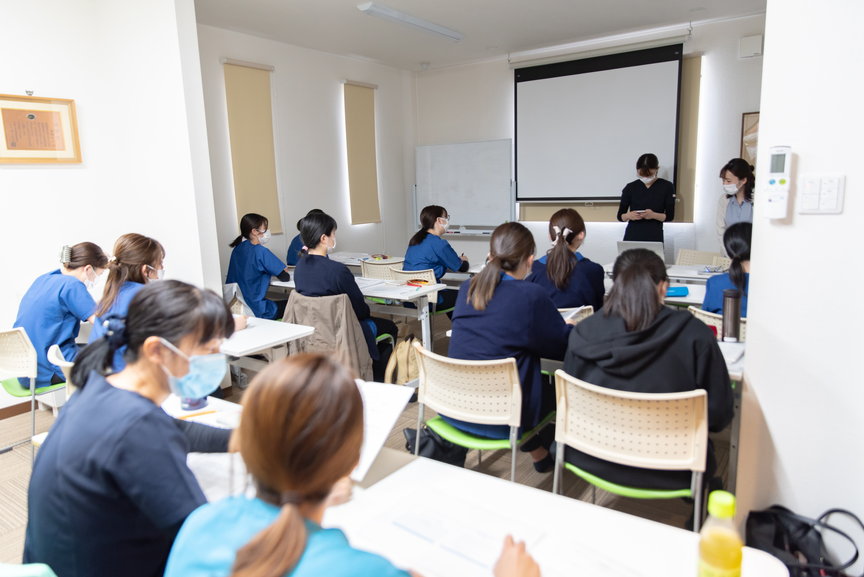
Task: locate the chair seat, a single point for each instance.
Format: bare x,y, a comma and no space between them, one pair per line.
626,491
469,441
14,388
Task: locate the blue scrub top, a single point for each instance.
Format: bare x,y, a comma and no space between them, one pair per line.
210,538
110,486
585,288
51,312
118,310
714,293
433,252
294,251
251,267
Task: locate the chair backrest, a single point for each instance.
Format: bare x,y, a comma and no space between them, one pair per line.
373,269
666,431
337,330
577,314
722,261
235,301
716,320
688,256
17,355
484,392
55,357
405,275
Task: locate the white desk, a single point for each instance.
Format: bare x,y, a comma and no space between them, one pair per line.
262,335
442,521
217,413
690,274
391,290
353,259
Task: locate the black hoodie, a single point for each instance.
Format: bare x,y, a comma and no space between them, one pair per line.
676,353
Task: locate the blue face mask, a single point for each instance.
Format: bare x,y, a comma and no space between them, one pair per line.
205,374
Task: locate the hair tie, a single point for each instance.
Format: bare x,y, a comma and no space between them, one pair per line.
65,254
116,334
290,498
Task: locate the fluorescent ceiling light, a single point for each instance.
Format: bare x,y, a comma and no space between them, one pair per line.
388,13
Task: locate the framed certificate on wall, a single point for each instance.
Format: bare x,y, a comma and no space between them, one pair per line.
38,130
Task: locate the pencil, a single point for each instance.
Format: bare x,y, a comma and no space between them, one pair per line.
184,417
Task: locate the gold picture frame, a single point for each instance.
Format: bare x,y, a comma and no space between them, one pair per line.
38,130
749,136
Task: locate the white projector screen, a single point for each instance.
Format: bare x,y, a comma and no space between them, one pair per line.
578,135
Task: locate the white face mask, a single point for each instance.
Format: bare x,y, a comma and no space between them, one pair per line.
264,238
647,179
159,272
730,188
332,248
445,223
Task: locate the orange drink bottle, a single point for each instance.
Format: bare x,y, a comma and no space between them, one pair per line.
720,544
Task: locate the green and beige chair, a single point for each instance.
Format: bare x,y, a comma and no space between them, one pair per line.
663,431
483,392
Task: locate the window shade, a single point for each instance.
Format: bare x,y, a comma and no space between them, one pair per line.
362,159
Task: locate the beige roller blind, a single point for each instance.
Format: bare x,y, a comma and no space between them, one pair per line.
250,127
362,161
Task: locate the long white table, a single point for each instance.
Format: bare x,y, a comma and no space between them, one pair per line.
442,521
690,274
262,336
695,296
392,291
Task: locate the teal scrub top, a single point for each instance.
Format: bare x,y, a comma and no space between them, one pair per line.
210,538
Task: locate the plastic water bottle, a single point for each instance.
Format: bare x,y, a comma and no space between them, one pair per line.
192,404
720,544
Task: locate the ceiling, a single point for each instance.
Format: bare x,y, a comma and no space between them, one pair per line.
490,28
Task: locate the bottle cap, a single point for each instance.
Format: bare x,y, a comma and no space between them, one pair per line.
721,504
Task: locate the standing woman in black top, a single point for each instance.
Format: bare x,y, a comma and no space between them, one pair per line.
646,203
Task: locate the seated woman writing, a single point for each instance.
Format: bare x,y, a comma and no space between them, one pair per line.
300,438
636,344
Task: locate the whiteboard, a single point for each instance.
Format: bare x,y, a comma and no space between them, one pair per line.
471,180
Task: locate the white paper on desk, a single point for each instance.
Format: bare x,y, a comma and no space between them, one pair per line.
363,282
382,405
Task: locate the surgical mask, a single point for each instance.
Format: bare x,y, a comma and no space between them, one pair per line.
647,179
445,224
91,282
160,272
205,374
332,248
265,237
730,188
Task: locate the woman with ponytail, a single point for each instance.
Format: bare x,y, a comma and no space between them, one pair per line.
570,279
55,304
736,239
110,486
736,202
427,249
300,438
498,316
137,260
252,265
637,344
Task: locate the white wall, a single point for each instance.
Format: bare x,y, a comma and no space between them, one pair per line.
804,447
127,67
475,102
309,132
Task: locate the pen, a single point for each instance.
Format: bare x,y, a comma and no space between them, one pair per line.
184,417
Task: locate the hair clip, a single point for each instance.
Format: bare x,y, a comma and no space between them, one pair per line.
65,254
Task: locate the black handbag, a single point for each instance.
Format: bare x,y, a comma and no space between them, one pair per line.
798,541
433,446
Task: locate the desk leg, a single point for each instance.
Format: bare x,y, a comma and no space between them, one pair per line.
425,326
734,438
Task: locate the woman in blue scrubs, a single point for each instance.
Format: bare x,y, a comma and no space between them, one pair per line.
736,240
110,486
137,260
570,279
497,316
316,409
252,265
55,304
427,249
